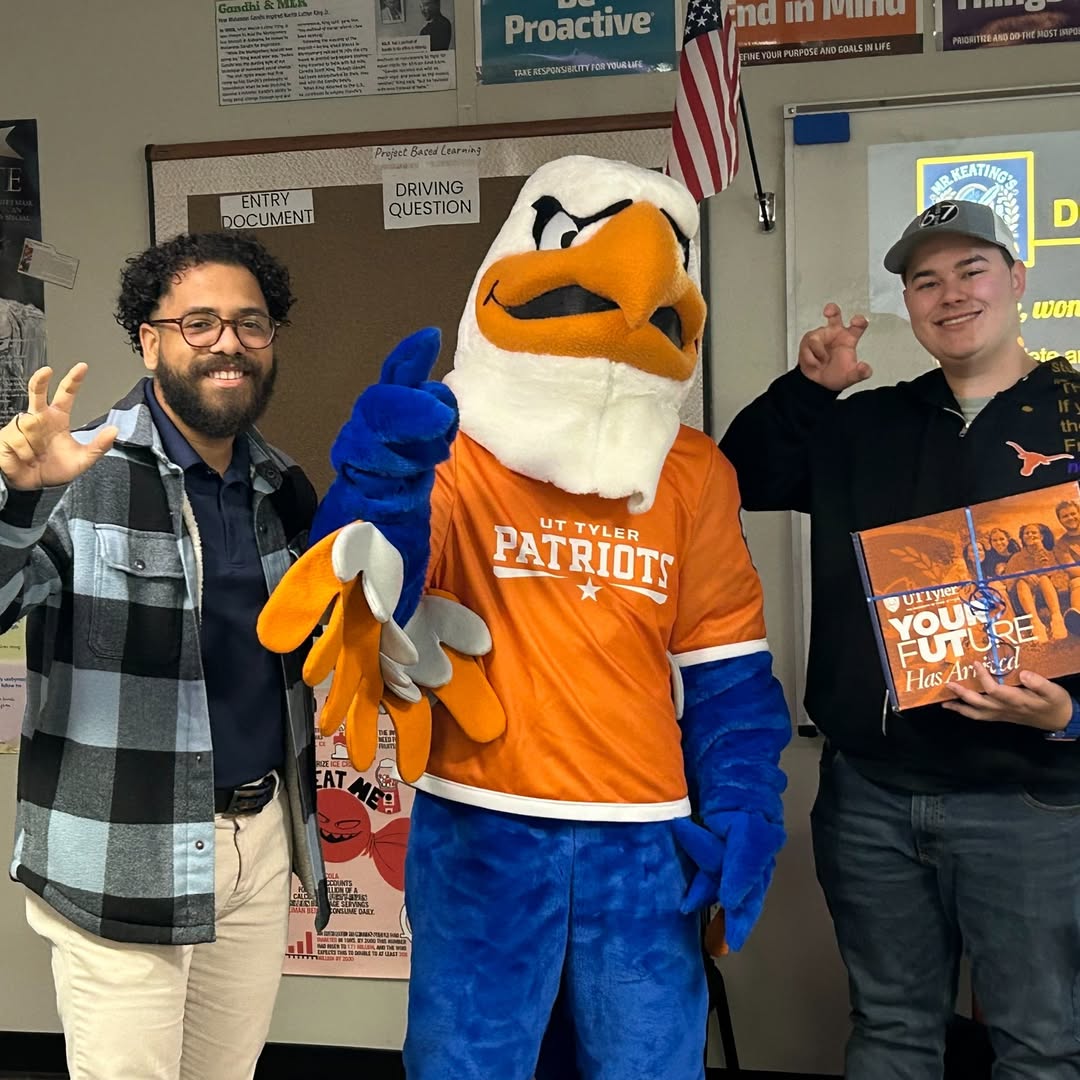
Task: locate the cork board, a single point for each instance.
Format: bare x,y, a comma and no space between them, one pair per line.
361,288
359,291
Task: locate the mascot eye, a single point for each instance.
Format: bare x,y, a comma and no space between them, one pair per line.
559,232
684,241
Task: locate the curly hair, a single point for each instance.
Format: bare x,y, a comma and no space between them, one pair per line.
147,277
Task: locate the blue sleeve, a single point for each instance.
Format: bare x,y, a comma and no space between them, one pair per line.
1072,730
735,725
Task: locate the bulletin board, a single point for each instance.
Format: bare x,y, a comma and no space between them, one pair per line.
361,288
846,202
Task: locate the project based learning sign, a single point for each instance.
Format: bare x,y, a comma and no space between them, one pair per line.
992,583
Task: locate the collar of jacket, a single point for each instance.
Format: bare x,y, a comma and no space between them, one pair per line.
933,388
136,430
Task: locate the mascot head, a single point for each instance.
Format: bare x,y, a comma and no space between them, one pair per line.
582,332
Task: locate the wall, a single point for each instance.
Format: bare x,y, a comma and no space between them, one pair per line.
103,80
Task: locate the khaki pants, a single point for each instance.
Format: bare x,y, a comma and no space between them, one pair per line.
182,1012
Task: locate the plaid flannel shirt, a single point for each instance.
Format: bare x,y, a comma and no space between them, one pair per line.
115,820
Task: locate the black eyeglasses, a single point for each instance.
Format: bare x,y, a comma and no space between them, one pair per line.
203,329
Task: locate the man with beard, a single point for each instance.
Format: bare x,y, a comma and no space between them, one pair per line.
165,773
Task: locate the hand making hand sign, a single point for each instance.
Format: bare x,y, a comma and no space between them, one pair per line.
37,449
828,354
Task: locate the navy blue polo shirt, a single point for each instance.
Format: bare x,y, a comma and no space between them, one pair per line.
245,689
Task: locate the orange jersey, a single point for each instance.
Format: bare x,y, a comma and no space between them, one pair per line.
585,601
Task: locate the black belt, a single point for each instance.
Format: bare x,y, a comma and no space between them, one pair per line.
246,799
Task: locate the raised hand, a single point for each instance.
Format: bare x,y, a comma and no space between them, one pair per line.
385,457
400,427
828,354
37,449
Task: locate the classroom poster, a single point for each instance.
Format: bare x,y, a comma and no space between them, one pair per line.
295,50
1030,181
12,687
363,821
22,297
532,40
786,31
979,24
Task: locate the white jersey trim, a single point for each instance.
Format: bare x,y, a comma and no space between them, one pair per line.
560,809
720,652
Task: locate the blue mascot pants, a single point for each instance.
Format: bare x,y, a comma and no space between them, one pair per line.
505,907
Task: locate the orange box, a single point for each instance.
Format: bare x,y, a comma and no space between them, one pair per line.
997,582
790,31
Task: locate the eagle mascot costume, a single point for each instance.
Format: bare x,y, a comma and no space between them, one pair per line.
540,574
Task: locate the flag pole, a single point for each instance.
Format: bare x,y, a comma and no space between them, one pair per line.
766,199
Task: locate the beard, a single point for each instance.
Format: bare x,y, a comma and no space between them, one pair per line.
195,404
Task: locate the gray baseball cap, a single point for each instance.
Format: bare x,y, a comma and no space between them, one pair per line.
951,216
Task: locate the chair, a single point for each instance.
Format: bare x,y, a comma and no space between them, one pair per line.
718,1004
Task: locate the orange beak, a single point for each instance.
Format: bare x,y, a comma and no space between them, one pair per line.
622,294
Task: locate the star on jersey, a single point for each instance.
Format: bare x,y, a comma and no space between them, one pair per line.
589,591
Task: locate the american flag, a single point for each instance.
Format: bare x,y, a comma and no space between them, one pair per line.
704,128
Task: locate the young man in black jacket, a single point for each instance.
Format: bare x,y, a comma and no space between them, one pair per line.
955,827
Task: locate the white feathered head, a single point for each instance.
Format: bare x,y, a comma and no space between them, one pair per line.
582,331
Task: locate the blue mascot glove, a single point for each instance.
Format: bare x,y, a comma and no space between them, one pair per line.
385,456
735,724
735,854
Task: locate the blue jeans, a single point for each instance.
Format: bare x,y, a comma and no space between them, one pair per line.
914,880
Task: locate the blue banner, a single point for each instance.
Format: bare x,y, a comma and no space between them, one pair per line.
531,40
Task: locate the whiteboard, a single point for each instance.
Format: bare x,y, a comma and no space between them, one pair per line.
845,203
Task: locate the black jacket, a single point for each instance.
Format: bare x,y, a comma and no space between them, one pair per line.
882,456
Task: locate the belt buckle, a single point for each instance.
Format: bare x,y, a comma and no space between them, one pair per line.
246,800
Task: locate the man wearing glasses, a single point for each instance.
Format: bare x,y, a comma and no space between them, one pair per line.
166,784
